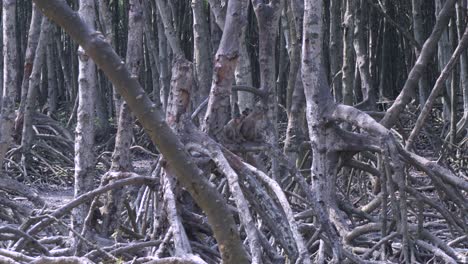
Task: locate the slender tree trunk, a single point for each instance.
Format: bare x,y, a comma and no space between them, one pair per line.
463,123
444,50
454,86
336,48
10,75
33,87
243,75
121,158
419,36
152,49
202,53
164,63
347,70
33,39
84,133
52,89
362,57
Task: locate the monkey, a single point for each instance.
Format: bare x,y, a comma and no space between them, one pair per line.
249,127
231,130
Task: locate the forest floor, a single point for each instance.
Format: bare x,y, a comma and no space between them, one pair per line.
55,196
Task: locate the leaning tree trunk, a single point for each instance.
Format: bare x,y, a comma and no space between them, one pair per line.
188,174
10,76
423,60
84,133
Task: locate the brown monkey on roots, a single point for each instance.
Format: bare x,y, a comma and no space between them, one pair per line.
231,130
249,128
244,128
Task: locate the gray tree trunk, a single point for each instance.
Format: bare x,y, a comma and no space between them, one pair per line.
463,123
52,89
362,57
164,64
348,54
33,39
268,17
243,75
33,87
317,99
84,133
419,36
10,76
218,109
202,52
336,48
444,51
122,158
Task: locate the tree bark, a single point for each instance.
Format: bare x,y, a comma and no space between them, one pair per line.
218,110
33,39
202,53
336,48
33,87
10,76
52,89
347,70
84,133
362,58
418,32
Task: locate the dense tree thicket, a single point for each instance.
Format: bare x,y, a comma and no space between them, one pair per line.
234,131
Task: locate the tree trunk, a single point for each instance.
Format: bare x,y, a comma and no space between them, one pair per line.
33,39
362,58
121,158
10,76
348,56
336,48
202,52
52,89
33,87
419,36
218,110
243,75
268,16
164,64
84,133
